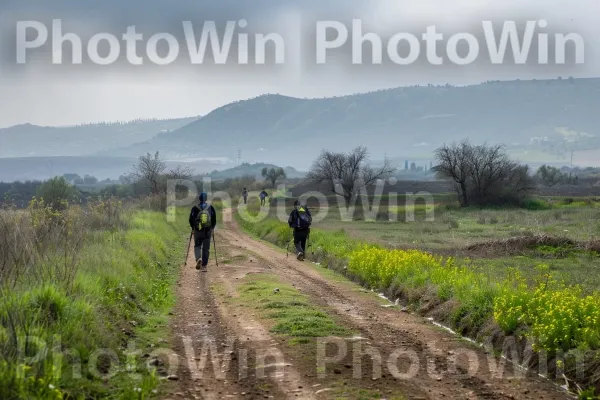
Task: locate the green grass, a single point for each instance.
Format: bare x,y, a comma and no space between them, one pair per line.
291,312
122,293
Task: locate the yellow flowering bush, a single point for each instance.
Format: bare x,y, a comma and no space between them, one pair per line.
559,317
380,267
556,316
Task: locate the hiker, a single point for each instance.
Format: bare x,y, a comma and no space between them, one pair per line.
263,195
300,220
245,194
203,219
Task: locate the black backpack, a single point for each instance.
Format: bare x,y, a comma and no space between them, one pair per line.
304,219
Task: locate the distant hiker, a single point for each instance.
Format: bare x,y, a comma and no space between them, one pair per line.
245,194
263,195
203,220
300,220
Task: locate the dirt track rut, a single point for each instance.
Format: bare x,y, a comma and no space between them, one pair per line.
395,352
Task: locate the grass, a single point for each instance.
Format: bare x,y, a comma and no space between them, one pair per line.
119,296
290,312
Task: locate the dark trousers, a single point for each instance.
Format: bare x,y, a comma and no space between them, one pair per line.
300,237
202,245
245,199
262,202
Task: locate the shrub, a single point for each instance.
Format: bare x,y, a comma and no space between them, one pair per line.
57,193
536,205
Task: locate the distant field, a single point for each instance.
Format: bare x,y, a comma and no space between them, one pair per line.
448,230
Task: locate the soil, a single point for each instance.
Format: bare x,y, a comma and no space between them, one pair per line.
418,359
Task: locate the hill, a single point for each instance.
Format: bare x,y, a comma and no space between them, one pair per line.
41,141
254,170
547,117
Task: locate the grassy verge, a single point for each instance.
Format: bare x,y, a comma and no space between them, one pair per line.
560,319
87,328
290,312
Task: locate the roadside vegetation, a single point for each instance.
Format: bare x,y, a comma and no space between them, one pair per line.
491,261
85,291
517,279
81,284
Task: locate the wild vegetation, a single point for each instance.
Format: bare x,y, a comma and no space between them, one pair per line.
489,273
81,286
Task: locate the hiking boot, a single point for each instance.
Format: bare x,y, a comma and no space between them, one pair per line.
300,257
198,263
204,269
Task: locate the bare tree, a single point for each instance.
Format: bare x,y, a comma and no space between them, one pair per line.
149,170
272,174
482,174
347,173
453,164
180,173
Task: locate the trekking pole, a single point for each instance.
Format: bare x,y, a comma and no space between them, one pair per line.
188,248
287,248
312,252
215,246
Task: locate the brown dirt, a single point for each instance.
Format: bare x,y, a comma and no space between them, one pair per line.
443,365
523,244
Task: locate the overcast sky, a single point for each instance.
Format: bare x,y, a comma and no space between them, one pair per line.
41,93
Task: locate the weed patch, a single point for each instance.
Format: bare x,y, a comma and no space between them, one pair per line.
291,312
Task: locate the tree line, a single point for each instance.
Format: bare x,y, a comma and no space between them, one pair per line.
482,175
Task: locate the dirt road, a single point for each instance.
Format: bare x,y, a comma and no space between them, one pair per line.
226,349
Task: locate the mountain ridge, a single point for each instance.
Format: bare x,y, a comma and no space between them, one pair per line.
28,140
398,121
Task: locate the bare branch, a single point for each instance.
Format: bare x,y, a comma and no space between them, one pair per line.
347,174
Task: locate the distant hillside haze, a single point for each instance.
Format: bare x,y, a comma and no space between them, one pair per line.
37,141
545,121
254,170
549,116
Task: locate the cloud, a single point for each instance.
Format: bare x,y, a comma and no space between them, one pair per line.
46,94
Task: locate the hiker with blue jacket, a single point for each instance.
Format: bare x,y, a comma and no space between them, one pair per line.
203,219
263,197
300,221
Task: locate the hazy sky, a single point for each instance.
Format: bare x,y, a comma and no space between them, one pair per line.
41,93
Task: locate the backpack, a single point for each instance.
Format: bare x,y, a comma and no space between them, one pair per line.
304,219
203,219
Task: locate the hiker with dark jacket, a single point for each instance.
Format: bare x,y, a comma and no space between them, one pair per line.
245,195
203,219
300,221
263,196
